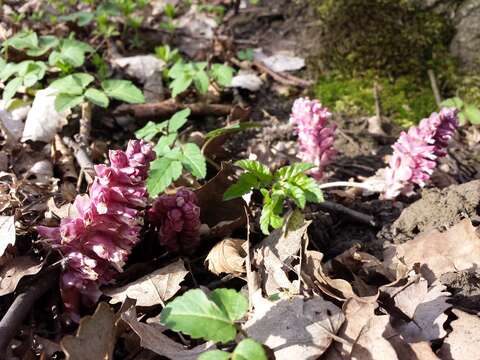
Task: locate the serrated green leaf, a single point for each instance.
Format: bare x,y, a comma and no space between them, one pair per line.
296,194
11,88
201,81
270,216
261,171
73,84
97,97
194,160
163,172
231,129
177,69
123,90
472,113
196,315
214,355
164,144
249,349
178,120
222,74
232,303
180,84
309,186
245,183
66,101
150,130
290,171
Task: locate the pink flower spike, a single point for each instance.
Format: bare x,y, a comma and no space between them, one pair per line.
314,137
416,152
177,218
96,243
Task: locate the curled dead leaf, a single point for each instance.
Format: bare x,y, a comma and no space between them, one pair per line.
227,256
14,270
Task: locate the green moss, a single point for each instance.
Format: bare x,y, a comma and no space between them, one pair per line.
405,100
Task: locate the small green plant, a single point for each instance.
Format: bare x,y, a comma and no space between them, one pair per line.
172,155
26,73
468,112
167,54
197,73
288,182
246,54
215,318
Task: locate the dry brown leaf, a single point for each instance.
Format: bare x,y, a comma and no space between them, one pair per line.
227,256
7,232
364,330
152,289
210,199
424,306
14,270
438,253
95,337
462,342
295,328
151,338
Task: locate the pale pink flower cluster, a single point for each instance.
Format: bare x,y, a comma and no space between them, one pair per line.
416,152
97,242
314,137
177,218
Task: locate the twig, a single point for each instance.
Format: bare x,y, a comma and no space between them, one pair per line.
85,124
169,107
378,102
353,214
21,307
248,264
86,165
285,79
433,83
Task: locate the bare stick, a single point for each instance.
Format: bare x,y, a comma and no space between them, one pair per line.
21,307
248,264
378,103
170,107
433,83
353,214
85,124
86,165
285,79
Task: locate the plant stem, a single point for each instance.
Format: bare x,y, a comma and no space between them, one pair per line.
347,184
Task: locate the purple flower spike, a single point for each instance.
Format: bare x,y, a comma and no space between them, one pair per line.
314,137
177,218
416,153
96,243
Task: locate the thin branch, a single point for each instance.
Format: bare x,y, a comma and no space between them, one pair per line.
86,165
85,124
353,214
433,83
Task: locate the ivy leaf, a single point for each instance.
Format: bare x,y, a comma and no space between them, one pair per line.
178,120
258,169
201,81
196,315
214,355
194,160
472,113
11,88
66,101
97,97
123,90
245,183
231,302
222,74
73,84
163,172
249,349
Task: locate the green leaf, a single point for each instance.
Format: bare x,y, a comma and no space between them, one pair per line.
23,40
455,102
73,84
66,101
163,172
82,18
180,84
8,70
214,355
150,130
222,74
73,52
272,208
288,172
201,81
296,194
11,88
233,128
232,303
194,160
249,349
196,315
245,183
177,69
261,171
164,144
45,43
472,113
178,120
97,97
123,90
309,186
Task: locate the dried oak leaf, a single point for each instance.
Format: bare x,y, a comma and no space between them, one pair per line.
227,256
462,342
456,249
7,232
95,337
296,328
423,306
152,338
152,289
14,270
